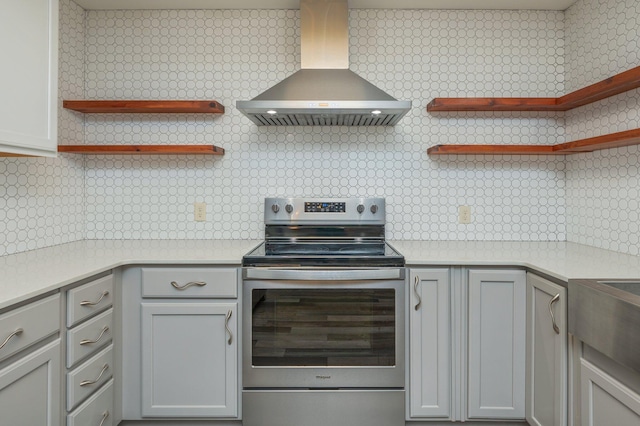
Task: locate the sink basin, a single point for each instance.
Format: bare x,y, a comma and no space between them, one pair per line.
605,314
628,286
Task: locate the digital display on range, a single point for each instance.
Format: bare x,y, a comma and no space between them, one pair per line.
323,207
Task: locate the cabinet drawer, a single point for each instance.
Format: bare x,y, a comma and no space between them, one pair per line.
89,376
189,282
96,411
89,299
87,338
24,326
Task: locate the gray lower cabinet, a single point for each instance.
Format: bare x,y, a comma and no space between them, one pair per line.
181,345
466,344
95,411
430,344
30,364
189,355
605,400
496,339
90,352
30,388
546,394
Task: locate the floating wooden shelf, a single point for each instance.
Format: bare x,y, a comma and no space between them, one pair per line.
145,107
142,149
615,85
491,150
613,140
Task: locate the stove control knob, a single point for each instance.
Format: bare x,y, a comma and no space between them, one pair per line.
288,208
275,208
374,209
360,208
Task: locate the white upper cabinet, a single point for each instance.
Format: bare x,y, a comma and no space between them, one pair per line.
29,77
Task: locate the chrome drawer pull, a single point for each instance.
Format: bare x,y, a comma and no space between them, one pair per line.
226,325
102,296
15,333
187,285
105,415
553,318
89,342
415,290
93,382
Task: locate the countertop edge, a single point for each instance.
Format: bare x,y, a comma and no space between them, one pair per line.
77,261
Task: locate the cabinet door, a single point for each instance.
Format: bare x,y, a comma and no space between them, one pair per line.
189,359
606,401
497,303
430,344
30,389
546,399
29,77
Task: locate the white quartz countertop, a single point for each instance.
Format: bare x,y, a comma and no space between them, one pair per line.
561,260
33,273
29,274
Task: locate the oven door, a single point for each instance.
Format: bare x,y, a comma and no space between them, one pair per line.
319,328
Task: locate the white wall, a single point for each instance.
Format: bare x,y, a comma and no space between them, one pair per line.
603,188
235,55
413,55
42,199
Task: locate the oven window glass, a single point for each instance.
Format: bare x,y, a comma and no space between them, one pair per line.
332,327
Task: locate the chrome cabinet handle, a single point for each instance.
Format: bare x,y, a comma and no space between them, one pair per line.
553,318
93,382
187,285
105,415
90,342
15,333
226,325
415,290
88,303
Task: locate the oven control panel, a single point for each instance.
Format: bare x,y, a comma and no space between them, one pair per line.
324,207
322,211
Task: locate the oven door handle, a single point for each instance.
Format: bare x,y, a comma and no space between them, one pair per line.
324,274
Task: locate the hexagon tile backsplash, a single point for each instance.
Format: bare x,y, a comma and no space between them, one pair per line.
235,54
413,55
603,188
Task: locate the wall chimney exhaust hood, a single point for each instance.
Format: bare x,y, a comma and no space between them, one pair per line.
324,92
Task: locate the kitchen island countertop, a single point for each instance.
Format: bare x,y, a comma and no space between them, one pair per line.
34,273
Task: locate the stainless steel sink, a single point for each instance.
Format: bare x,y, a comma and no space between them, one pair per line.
632,287
605,314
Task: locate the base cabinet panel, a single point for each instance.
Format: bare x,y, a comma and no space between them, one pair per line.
497,302
546,353
430,344
97,410
30,389
606,401
189,359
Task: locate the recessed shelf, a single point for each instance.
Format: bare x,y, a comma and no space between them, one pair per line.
144,107
611,86
613,140
142,149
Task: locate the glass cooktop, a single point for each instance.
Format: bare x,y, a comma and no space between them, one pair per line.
324,253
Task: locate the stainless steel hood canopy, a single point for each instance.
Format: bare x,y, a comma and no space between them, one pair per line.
324,92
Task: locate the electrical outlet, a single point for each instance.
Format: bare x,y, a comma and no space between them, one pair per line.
464,214
200,212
